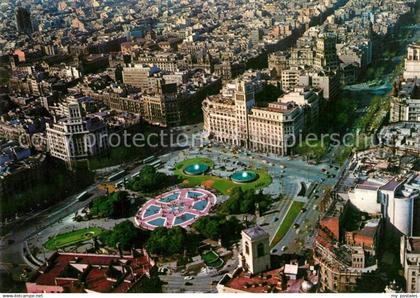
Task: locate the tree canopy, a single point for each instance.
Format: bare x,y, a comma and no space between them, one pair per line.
218,227
240,202
126,234
148,180
167,242
115,205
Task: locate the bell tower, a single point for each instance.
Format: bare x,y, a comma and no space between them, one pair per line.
255,250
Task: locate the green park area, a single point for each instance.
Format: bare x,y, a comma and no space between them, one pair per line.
72,238
222,185
287,222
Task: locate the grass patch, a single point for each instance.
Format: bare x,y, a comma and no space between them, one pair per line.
222,185
212,259
287,222
72,238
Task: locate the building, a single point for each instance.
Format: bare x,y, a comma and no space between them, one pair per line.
138,75
256,275
23,20
278,62
326,52
394,198
91,273
256,254
410,261
74,136
232,117
402,137
412,63
405,105
345,260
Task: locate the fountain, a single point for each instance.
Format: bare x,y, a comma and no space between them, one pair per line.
196,169
244,176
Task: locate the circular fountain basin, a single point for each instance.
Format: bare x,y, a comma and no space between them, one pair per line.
244,176
196,169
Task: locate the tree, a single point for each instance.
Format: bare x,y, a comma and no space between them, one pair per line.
167,242
115,205
126,234
218,227
245,202
148,180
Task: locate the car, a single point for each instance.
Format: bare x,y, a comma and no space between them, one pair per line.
284,248
323,170
295,226
274,251
188,283
303,210
188,278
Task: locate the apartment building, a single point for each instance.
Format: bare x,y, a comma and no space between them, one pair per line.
405,105
412,62
410,261
138,75
164,61
326,52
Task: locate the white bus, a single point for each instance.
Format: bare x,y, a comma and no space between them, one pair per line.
135,175
116,176
156,164
83,196
149,159
119,184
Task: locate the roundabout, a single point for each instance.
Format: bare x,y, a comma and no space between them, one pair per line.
180,207
244,177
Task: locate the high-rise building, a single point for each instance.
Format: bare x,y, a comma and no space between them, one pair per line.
23,20
75,137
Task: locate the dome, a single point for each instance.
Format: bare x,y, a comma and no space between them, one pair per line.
306,286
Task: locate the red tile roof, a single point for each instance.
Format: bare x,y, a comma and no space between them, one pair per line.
66,271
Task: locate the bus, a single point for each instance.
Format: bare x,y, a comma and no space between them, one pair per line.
156,164
120,184
83,196
117,175
135,175
149,159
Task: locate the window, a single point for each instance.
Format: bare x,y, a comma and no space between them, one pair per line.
247,248
260,250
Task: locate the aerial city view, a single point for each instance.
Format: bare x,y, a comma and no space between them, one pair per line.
219,146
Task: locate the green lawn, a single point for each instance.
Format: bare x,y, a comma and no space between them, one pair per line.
287,222
222,185
72,238
212,259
